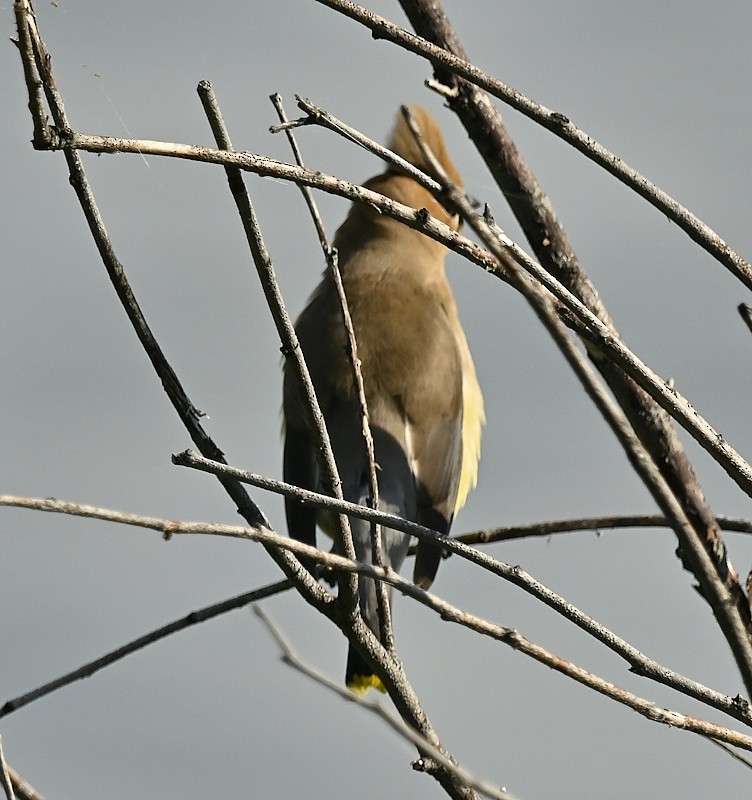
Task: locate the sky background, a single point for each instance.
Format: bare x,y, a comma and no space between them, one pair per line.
212,711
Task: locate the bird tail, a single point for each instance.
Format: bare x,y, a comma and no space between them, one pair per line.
396,496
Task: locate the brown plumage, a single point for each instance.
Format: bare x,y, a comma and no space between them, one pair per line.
424,402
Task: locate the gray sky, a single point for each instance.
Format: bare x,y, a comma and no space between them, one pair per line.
212,711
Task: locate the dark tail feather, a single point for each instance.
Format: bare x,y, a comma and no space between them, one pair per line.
428,555
359,677
427,560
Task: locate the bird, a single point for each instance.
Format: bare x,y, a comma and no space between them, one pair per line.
424,401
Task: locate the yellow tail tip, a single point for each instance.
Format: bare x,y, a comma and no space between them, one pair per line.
360,684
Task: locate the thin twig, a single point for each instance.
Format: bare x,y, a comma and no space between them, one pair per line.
654,428
5,781
195,617
187,412
23,789
667,397
426,749
639,664
730,751
384,612
24,19
597,524
348,619
560,126
290,345
313,209
331,258
724,596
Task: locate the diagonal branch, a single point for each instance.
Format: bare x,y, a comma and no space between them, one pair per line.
451,62
701,545
5,781
597,524
188,413
290,345
332,262
195,617
348,617
23,789
667,397
447,611
292,659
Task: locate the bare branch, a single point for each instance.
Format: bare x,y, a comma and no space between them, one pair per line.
427,750
598,524
24,21
639,664
202,615
678,492
668,398
23,789
330,256
560,126
290,345
5,781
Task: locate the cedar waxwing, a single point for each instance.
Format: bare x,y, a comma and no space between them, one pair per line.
424,402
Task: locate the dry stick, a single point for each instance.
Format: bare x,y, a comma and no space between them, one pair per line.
384,612
538,299
23,789
348,619
419,221
667,397
194,618
5,780
558,124
187,412
42,138
447,611
714,589
655,430
736,707
330,256
597,524
292,659
290,345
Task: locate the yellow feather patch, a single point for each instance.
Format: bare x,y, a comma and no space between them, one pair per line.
360,684
473,419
